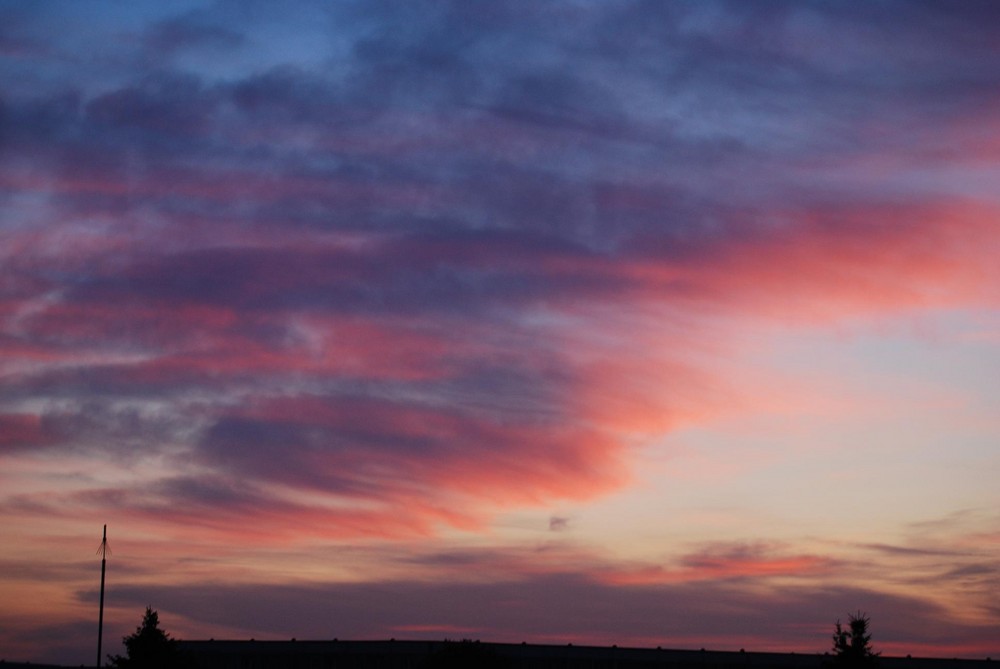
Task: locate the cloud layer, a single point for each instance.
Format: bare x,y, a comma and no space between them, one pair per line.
363,271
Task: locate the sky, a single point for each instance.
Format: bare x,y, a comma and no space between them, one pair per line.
641,323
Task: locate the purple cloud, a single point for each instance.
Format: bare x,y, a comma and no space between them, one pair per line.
366,270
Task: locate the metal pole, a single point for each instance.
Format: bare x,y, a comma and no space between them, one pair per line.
100,620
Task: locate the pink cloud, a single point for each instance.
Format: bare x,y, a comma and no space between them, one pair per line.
726,563
422,450
23,431
619,379
840,261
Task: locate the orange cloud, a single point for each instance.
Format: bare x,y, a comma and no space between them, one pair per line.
722,564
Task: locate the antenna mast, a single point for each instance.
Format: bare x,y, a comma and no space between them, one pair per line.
103,551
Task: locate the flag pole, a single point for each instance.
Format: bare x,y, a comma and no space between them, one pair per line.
103,550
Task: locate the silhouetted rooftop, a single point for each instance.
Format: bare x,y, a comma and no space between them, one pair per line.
335,654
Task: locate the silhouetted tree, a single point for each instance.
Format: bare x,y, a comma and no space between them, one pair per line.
853,646
148,647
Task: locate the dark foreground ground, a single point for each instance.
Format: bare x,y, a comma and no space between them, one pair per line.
433,654
483,655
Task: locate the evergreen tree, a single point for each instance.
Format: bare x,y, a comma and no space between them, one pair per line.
853,646
148,647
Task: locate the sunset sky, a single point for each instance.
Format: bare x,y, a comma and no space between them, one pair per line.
641,323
